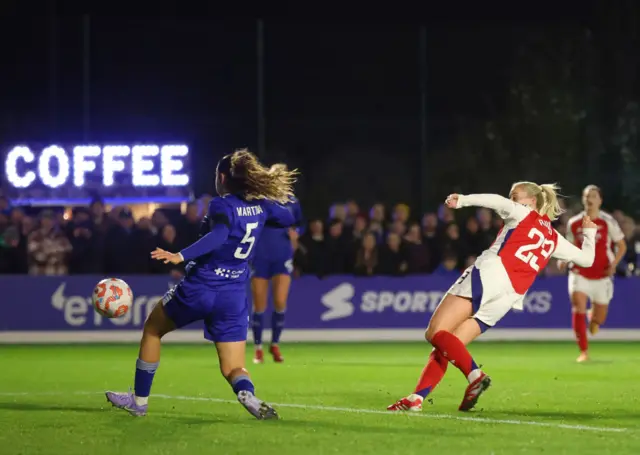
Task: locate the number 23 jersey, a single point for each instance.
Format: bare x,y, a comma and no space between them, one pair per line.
526,243
228,264
526,249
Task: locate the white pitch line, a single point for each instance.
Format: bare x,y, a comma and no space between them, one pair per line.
564,426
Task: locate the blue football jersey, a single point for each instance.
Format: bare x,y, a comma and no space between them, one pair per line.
274,242
227,264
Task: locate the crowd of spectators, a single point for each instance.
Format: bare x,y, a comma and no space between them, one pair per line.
445,242
348,240
92,240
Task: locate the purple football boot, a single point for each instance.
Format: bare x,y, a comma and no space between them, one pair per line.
258,408
127,402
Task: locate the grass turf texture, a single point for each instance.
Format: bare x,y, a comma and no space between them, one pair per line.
51,402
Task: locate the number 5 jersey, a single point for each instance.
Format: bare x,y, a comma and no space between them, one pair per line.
229,234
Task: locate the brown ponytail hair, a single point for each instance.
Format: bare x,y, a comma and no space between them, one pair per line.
247,176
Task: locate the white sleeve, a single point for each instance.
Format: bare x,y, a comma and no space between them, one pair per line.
504,207
567,251
615,232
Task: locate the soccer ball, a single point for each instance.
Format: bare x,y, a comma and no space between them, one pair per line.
112,298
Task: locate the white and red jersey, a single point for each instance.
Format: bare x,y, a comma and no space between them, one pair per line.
608,233
527,241
526,248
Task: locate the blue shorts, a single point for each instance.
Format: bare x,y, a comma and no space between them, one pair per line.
268,267
225,313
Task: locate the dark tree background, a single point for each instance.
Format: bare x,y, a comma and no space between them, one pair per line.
544,101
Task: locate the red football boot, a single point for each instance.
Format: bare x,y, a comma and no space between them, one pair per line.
473,392
275,352
411,403
258,357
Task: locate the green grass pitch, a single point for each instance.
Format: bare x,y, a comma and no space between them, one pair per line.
331,398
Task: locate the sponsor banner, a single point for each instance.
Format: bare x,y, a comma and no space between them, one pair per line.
340,302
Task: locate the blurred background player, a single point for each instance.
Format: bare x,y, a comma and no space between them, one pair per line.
214,289
595,283
497,282
273,261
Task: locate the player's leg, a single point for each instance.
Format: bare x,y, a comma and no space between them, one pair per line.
491,310
466,332
452,346
432,374
281,282
450,313
156,326
600,304
599,312
579,302
453,310
227,327
260,294
578,294
232,367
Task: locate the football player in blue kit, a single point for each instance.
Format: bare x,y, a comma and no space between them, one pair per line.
273,262
214,289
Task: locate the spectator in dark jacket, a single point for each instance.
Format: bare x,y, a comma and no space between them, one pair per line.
311,256
393,260
366,263
432,238
472,238
418,259
119,243
145,242
84,243
452,243
488,231
190,225
337,250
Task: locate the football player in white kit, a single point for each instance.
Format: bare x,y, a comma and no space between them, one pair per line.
497,282
593,283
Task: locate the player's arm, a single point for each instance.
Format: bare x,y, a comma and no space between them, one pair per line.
568,252
299,225
504,207
620,245
298,229
220,220
279,216
220,227
621,250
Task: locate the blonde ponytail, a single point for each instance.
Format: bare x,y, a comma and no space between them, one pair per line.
278,167
550,202
547,201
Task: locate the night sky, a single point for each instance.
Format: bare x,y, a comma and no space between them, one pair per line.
342,101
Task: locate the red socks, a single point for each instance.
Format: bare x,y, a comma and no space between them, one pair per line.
580,329
454,350
432,374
